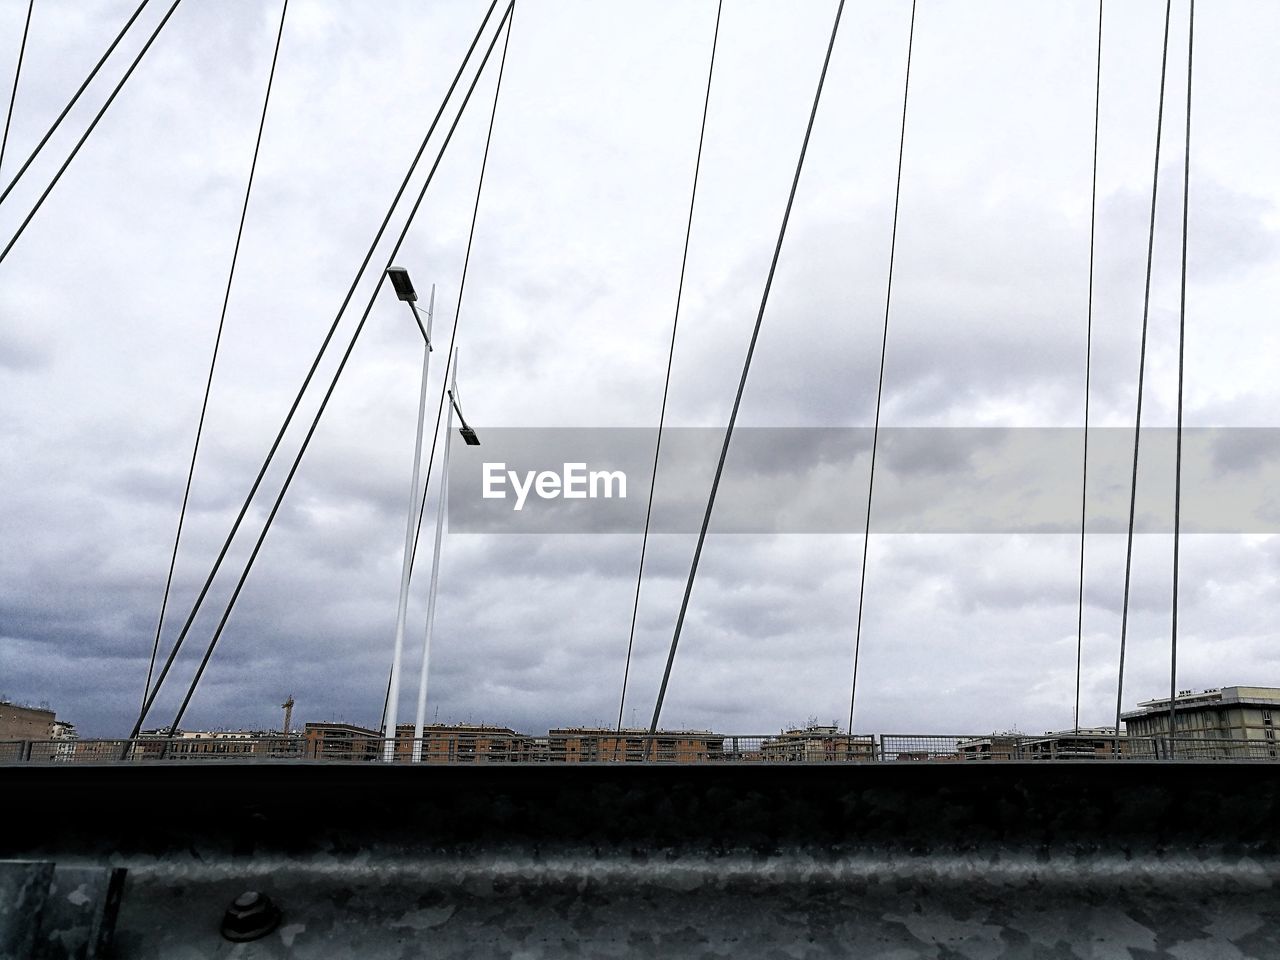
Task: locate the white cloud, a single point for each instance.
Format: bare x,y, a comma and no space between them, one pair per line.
109,302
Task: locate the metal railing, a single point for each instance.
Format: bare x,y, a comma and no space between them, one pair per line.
675,747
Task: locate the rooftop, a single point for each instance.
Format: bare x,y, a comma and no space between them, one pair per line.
1190,700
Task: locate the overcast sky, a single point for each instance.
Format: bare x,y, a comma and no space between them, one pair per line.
109,304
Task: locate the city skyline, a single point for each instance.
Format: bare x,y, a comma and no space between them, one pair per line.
1149,707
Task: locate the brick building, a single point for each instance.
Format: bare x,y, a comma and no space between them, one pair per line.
330,740
590,744
25,723
465,743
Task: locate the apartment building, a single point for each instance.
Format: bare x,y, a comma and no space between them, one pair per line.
815,743
590,744
19,722
465,743
1230,722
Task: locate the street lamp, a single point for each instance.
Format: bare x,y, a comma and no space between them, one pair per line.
455,405
404,290
399,278
469,435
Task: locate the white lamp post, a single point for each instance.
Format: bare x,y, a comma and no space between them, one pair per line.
470,437
404,290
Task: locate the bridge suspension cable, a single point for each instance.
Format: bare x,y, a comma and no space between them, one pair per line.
333,383
742,383
17,73
671,353
257,483
466,264
74,97
1182,343
1088,370
884,344
85,136
1142,366
213,360
457,313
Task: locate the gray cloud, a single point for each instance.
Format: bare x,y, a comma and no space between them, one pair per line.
109,301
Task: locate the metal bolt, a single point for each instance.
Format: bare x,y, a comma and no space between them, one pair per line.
251,916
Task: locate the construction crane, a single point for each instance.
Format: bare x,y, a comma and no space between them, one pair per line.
288,714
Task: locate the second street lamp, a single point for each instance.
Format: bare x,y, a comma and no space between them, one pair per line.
469,435
404,290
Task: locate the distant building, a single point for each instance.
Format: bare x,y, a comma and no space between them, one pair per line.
464,743
1083,744
998,746
479,743
25,723
815,743
742,749
340,741
1228,722
233,743
1087,743
591,744
211,743
199,744
65,740
103,751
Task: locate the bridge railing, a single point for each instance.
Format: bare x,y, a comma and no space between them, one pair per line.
574,746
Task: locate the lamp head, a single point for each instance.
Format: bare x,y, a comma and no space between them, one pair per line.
399,278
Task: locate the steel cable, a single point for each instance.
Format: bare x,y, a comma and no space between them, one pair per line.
884,345
457,312
17,73
1182,342
1088,370
315,422
244,509
742,383
1142,366
85,136
666,385
72,102
213,361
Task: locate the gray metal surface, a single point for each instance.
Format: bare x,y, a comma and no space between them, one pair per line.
891,861
80,912
580,904
54,911
23,890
